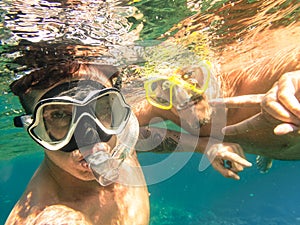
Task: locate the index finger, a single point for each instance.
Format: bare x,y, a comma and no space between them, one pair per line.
238,101
235,158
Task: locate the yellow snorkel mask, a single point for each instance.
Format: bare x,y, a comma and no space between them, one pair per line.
180,89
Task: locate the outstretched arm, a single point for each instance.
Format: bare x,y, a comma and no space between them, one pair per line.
279,106
227,158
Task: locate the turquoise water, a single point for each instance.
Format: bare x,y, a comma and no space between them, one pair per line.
191,197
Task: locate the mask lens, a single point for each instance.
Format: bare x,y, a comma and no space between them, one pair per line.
111,111
158,93
103,111
55,122
181,97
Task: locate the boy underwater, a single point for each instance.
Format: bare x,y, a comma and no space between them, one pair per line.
90,173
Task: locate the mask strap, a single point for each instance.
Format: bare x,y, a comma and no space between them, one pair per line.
56,91
118,82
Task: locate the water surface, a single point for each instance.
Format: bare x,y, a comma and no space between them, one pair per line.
30,38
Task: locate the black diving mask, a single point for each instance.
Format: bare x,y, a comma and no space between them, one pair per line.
83,105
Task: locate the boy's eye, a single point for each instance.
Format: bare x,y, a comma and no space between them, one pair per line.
56,117
162,100
59,115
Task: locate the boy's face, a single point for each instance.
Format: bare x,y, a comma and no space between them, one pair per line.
56,119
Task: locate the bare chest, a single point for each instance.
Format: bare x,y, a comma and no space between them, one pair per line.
125,205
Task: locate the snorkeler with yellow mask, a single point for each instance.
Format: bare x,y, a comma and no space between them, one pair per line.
181,89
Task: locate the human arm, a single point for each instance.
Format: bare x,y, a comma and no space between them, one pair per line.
227,158
63,215
279,106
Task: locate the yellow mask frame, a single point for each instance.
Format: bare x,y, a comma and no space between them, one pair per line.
170,82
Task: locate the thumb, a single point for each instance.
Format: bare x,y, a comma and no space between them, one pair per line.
285,128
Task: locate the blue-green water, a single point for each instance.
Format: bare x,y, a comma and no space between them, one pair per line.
191,197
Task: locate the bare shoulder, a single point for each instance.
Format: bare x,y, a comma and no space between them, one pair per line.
59,214
51,215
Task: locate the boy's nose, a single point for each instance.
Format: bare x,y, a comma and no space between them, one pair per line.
88,132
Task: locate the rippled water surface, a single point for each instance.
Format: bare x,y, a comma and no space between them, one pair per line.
37,33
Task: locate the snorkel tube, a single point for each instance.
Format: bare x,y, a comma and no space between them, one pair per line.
105,166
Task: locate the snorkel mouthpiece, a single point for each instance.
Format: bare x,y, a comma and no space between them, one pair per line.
104,167
107,166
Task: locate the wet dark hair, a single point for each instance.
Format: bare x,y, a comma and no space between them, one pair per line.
41,79
46,77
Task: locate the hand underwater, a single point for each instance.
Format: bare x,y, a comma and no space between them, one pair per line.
228,159
279,106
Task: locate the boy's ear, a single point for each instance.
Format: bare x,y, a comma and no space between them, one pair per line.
109,71
30,99
25,102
